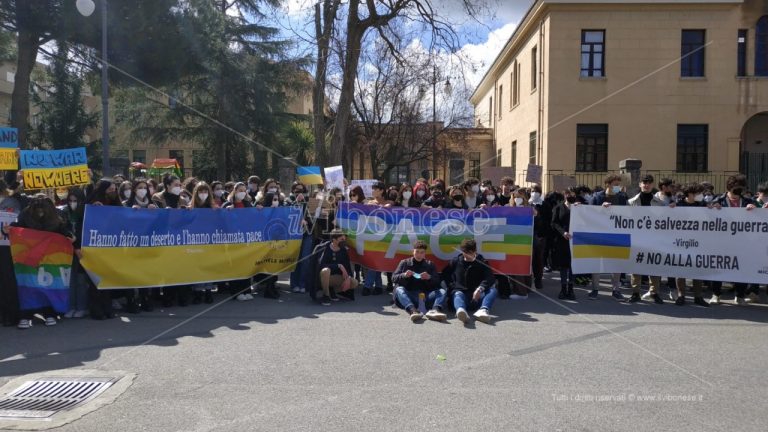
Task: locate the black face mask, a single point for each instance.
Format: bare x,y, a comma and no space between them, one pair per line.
570,199
458,197
342,244
737,191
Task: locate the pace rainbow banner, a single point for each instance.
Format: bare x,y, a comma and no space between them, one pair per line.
156,248
48,169
382,236
42,262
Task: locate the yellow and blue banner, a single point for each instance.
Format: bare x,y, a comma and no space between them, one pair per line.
309,175
380,237
601,245
9,143
156,248
48,169
42,262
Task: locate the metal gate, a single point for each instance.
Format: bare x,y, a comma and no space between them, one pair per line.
755,167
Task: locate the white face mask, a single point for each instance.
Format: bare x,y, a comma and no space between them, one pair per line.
272,190
127,193
407,195
176,190
141,193
490,198
708,198
239,196
73,206
616,189
699,198
588,197
218,193
518,201
420,193
535,196
203,196
483,188
475,188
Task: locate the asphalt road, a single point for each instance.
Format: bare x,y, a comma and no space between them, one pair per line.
291,365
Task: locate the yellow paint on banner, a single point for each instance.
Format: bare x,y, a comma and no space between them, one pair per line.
598,252
50,178
9,159
182,265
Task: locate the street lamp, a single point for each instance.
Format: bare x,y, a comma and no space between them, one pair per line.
86,8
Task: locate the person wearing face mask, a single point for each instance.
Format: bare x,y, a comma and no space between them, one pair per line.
406,197
9,296
254,183
536,198
219,194
78,285
298,194
505,190
270,186
694,197
472,197
470,284
170,197
420,192
125,191
542,231
202,198
140,196
61,198
515,287
735,185
456,199
300,275
238,199
417,275
487,183
561,251
489,197
611,195
647,198
436,198
335,269
372,284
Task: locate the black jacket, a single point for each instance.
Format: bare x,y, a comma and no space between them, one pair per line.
601,198
461,275
411,283
331,259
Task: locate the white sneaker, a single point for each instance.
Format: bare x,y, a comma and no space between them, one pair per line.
482,315
715,300
50,321
296,290
462,315
416,316
739,301
436,315
646,296
248,296
241,297
753,298
79,314
24,324
70,314
518,297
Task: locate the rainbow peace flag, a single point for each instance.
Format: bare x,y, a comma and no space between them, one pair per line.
309,175
43,263
601,245
380,237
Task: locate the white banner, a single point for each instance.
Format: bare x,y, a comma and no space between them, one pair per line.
366,185
334,178
729,245
6,219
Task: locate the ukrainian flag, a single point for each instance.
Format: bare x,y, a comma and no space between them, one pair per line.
601,245
309,175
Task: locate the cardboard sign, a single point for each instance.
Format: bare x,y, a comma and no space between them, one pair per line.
48,169
9,143
533,174
563,182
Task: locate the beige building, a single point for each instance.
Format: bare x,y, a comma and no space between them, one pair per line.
681,85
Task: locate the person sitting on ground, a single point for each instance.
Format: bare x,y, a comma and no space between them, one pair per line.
471,284
415,276
336,270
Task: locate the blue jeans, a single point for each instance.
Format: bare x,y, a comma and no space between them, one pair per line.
408,299
300,275
372,278
486,300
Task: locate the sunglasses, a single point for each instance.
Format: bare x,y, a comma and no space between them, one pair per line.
458,197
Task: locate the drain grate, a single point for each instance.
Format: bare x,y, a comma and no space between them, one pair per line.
41,399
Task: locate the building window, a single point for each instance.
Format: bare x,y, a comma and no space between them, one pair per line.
515,84
501,99
692,53
692,147
399,174
593,53
532,148
592,147
761,47
741,62
534,67
474,165
498,157
490,111
178,155
514,157
140,156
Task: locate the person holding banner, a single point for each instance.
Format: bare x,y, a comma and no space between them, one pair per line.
125,191
219,197
140,196
9,296
170,197
694,197
561,247
420,192
373,284
470,283
416,276
103,194
239,289
472,196
611,195
336,269
436,199
254,187
78,281
202,198
456,200
40,215
736,185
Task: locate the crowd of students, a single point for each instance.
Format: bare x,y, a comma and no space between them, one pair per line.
467,284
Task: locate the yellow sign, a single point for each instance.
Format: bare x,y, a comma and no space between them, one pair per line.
50,178
9,159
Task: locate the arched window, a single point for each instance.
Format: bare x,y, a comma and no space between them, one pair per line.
761,47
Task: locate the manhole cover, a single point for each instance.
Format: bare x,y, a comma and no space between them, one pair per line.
41,399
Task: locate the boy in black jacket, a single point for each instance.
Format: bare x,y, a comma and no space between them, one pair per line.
471,283
418,275
336,269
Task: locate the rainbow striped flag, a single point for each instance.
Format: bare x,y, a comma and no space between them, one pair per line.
309,175
380,237
42,262
601,245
